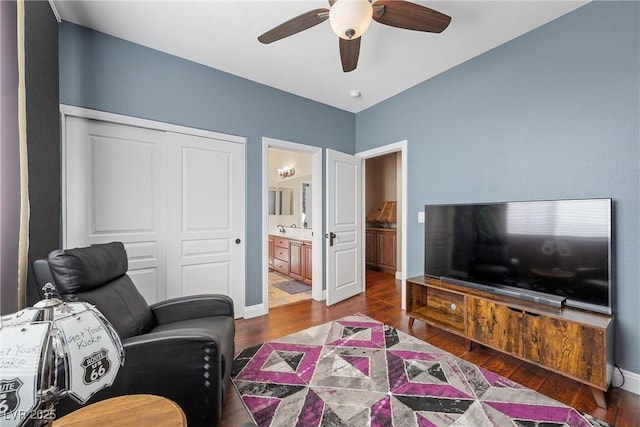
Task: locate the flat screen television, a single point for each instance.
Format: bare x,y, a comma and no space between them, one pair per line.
557,252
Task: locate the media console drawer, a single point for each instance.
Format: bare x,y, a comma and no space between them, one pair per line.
446,309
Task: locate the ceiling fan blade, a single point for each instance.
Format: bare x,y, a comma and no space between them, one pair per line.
410,16
295,25
349,52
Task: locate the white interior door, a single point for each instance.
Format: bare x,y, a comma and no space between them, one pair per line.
344,226
114,191
206,219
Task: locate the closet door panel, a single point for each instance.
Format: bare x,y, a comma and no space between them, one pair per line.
114,191
122,185
205,245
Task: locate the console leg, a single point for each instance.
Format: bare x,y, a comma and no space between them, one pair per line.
467,344
411,320
600,398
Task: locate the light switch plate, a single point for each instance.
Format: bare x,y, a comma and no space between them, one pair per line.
421,217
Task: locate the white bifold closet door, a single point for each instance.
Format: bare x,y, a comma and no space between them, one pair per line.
175,200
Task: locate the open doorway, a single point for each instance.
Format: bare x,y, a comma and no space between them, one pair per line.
290,226
384,202
292,223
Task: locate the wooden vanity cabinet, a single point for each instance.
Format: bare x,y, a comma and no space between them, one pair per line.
293,258
307,266
300,260
296,258
281,255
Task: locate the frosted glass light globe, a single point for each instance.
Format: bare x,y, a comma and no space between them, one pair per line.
349,19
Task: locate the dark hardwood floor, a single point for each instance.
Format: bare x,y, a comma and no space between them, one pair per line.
381,301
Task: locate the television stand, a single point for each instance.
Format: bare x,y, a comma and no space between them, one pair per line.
574,343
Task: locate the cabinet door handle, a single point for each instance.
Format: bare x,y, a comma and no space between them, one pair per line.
514,309
528,313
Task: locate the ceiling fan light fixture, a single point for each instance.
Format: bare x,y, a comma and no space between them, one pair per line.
350,19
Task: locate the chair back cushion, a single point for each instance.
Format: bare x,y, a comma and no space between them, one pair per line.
97,274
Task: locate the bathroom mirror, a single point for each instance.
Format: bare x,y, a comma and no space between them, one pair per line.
306,198
280,201
286,201
272,201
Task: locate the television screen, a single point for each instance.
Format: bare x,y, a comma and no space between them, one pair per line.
560,247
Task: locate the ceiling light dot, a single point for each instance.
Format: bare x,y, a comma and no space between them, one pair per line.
355,93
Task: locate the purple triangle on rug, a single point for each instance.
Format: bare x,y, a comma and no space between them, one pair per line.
359,371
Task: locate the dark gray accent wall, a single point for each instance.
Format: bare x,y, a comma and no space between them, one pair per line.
43,132
105,73
553,114
9,158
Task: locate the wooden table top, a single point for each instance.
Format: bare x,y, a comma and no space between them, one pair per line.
126,411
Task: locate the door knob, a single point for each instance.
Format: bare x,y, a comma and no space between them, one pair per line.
238,241
331,236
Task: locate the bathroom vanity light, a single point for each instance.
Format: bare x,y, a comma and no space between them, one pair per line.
286,172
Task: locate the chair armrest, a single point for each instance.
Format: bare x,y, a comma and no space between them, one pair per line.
149,354
192,307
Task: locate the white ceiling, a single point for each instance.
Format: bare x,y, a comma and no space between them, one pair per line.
223,34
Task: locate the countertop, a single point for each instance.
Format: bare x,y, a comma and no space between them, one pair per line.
292,236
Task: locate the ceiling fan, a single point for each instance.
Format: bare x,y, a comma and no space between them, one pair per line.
349,19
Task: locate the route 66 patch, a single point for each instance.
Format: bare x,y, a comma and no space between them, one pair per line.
9,397
95,366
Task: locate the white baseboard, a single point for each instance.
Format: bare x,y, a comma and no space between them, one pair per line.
255,311
631,381
398,275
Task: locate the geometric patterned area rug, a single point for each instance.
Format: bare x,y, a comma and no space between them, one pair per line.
292,287
357,371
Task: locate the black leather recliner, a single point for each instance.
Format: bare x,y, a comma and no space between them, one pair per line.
181,348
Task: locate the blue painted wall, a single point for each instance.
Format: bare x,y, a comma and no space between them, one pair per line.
552,114
105,73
